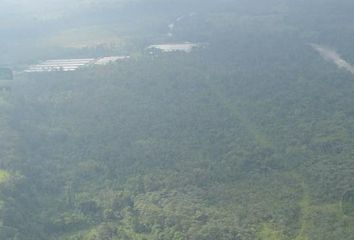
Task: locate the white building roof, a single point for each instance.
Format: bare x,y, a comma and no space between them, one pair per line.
71,64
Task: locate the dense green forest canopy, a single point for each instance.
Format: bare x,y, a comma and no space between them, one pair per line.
248,138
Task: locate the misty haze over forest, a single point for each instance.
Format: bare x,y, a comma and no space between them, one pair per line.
176,120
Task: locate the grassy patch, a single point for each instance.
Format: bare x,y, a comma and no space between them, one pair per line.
269,232
84,37
4,176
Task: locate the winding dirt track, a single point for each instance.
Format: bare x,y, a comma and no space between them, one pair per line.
333,56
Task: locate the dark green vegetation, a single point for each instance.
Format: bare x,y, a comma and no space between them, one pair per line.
250,138
6,77
348,203
6,74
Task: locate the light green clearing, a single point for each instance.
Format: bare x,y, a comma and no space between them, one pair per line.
4,176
